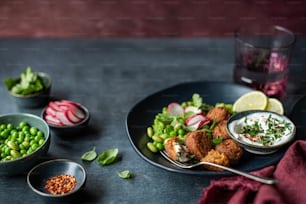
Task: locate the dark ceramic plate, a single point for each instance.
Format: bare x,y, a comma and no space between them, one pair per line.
142,115
298,116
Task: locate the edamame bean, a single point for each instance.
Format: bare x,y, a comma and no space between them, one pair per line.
150,132
152,147
157,138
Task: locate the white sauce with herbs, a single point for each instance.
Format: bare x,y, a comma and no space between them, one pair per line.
263,129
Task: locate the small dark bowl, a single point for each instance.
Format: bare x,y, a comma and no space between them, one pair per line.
258,148
71,130
23,164
34,100
39,174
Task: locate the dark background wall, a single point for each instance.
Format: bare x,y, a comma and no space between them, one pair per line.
144,18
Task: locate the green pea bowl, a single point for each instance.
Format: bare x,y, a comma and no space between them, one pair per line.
24,142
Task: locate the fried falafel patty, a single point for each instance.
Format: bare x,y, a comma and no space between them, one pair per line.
216,157
220,130
218,113
198,143
176,150
232,150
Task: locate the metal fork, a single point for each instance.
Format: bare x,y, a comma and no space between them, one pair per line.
235,171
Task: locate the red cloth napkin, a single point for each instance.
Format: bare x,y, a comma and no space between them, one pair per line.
291,188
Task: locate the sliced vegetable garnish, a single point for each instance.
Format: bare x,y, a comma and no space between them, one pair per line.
63,113
175,109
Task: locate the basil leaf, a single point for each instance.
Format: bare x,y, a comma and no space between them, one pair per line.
125,174
90,155
108,157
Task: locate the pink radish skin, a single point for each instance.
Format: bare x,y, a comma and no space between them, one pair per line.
175,109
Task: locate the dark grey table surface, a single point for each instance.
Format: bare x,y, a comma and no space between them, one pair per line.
109,77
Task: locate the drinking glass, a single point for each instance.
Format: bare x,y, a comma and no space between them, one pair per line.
262,55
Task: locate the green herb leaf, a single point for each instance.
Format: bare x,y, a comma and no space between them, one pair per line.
197,100
216,141
108,157
90,155
28,83
125,174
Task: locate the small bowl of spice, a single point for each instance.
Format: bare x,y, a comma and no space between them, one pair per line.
57,178
261,132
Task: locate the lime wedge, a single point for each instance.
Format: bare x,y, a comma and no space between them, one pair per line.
253,100
275,105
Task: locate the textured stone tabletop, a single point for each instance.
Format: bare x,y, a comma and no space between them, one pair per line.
109,77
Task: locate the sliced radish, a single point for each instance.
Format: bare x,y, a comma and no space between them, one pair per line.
53,120
175,109
74,108
72,117
194,119
54,105
63,118
197,121
51,111
64,113
193,109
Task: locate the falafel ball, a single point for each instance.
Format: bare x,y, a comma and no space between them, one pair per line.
216,157
176,150
218,113
232,150
220,130
198,143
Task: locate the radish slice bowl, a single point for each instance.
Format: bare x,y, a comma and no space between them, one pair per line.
65,113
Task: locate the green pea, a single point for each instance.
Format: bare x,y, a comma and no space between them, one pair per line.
172,134
23,152
9,126
33,130
2,126
7,151
34,146
152,147
41,141
40,133
25,129
37,138
5,133
22,124
159,146
181,132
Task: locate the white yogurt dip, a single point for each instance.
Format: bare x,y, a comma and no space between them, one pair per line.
262,128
